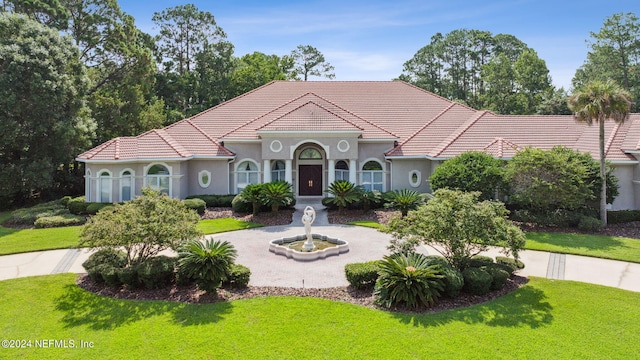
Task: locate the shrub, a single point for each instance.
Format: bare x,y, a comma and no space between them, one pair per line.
471,171
362,275
329,203
408,280
64,200
252,194
93,208
238,276
129,276
156,272
371,200
623,216
111,257
551,218
241,205
476,281
214,200
59,220
109,274
453,280
78,206
209,263
590,224
198,205
276,194
512,263
480,260
28,216
498,275
403,200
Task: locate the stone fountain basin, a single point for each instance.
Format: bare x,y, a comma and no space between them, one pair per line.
279,246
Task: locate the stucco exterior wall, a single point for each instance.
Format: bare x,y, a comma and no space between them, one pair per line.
403,170
219,171
627,188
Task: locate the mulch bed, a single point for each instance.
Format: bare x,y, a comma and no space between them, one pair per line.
192,294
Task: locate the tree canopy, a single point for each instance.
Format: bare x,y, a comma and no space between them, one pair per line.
309,61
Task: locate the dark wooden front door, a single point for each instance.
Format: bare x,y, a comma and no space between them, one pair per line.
310,180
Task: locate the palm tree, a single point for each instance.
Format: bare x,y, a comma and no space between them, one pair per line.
277,193
207,263
597,102
344,193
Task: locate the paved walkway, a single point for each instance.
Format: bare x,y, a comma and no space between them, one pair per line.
269,269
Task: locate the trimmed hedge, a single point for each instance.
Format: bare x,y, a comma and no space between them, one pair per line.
453,280
28,216
238,276
198,205
499,276
362,275
476,281
93,208
590,224
114,258
129,277
622,216
214,200
59,221
78,206
512,263
480,260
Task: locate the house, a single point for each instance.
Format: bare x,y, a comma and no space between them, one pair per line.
381,135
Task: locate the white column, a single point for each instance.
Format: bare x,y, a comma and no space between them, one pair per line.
266,168
288,172
331,175
352,172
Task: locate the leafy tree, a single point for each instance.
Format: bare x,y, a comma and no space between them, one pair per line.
277,193
214,70
144,226
344,193
481,70
309,61
207,263
471,171
44,120
184,32
256,69
560,178
459,227
598,102
554,102
403,200
614,55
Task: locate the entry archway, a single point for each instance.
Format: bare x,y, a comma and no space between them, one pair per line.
310,160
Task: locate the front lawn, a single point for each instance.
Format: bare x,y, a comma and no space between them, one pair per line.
366,223
13,241
608,247
543,320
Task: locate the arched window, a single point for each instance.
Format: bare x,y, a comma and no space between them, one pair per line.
104,186
246,173
126,185
372,176
277,170
159,178
342,171
310,154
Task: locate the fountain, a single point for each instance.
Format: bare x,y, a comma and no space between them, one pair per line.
308,246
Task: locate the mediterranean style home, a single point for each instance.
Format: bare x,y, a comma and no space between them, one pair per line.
380,135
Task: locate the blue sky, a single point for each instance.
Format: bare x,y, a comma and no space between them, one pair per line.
370,40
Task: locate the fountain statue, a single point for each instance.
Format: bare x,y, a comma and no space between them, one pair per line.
308,246
308,216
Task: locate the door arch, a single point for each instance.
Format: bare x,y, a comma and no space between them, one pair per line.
310,160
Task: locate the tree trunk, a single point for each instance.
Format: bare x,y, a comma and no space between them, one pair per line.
603,177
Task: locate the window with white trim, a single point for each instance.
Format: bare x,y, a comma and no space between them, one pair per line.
278,170
310,154
204,178
104,187
126,185
159,178
372,176
246,173
415,177
342,170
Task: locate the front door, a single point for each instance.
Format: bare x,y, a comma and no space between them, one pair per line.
310,180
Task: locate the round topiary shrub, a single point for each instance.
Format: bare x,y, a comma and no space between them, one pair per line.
362,275
480,260
589,224
453,280
238,276
476,281
498,274
78,206
156,272
111,257
129,277
109,274
240,205
512,263
198,205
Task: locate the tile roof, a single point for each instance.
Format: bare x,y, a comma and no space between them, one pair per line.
424,124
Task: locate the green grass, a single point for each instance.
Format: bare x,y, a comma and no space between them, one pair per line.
213,226
367,223
13,241
608,247
545,319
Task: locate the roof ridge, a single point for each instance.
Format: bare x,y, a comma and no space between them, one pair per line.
305,104
501,142
214,141
612,136
265,114
116,151
461,130
356,115
96,150
169,140
435,95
